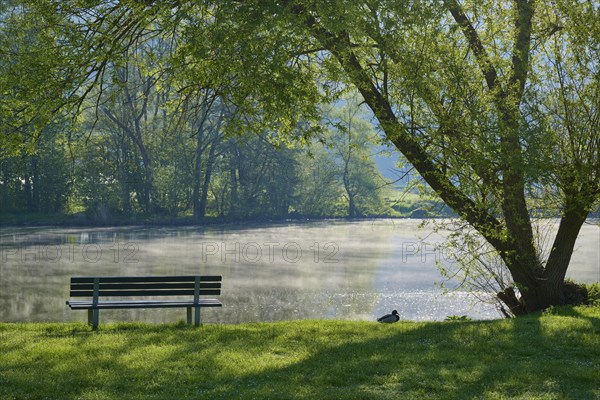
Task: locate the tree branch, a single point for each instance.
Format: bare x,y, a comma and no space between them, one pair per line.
520,57
475,44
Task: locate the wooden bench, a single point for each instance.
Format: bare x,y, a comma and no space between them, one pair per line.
134,291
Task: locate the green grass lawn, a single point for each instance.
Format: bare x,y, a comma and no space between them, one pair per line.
539,357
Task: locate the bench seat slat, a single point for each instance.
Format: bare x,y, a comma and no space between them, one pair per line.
145,279
167,292
82,305
138,286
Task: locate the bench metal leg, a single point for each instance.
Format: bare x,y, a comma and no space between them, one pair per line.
93,317
189,315
197,316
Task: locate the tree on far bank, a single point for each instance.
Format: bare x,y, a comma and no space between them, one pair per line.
350,141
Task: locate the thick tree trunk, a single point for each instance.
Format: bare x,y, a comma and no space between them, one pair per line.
560,255
535,297
547,287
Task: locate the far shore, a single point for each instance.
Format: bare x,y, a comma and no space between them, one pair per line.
77,220
82,220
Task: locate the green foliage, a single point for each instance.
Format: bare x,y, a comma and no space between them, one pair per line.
537,357
552,310
457,318
574,293
30,86
261,177
41,182
320,191
593,293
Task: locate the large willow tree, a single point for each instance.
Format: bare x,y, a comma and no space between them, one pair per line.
493,102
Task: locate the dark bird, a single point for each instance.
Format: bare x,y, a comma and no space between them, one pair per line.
389,318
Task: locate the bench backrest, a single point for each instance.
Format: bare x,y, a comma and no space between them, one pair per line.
143,286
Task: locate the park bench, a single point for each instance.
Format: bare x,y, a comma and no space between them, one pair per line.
143,292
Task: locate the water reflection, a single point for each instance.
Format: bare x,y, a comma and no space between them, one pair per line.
326,269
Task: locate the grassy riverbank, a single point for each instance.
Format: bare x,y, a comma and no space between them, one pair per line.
540,357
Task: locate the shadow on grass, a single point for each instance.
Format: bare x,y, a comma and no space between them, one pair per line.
512,358
436,361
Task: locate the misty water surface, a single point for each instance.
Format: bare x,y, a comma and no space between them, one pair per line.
326,269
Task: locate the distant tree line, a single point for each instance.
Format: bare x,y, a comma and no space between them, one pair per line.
205,174
142,149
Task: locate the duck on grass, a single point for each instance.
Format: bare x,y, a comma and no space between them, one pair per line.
389,318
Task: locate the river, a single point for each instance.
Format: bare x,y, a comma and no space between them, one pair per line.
283,271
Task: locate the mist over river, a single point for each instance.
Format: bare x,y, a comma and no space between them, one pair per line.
282,271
